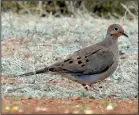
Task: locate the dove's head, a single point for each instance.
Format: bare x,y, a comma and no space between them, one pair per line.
116,30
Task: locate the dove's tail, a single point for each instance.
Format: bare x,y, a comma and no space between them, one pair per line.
36,72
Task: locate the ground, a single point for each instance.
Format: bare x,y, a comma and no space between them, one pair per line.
75,105
38,42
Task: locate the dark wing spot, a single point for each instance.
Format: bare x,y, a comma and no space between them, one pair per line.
71,62
79,62
100,87
62,64
66,60
87,60
82,65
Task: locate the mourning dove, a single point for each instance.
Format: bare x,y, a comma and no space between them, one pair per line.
90,64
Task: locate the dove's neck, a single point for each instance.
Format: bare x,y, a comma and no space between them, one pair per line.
111,43
110,40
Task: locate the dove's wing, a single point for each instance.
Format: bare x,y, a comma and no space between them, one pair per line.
90,60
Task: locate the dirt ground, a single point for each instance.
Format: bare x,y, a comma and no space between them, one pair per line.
75,105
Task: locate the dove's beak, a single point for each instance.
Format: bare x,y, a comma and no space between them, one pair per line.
125,34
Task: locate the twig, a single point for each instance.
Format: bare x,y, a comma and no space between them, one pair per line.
125,7
24,7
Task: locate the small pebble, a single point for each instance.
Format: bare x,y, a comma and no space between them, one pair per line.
110,107
15,108
7,108
88,112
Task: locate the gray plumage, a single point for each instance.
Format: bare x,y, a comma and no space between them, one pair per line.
92,63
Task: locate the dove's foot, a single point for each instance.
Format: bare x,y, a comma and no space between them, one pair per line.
86,87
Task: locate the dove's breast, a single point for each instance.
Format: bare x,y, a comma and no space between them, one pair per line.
90,79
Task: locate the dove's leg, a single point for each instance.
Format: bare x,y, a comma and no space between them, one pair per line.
85,87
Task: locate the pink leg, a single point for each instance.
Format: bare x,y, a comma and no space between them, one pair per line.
85,87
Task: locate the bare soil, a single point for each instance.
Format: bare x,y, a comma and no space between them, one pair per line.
75,105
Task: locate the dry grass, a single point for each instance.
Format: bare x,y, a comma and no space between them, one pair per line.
49,39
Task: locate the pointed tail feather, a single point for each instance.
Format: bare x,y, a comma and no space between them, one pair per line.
36,72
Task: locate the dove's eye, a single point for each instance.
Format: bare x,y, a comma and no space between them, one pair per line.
116,29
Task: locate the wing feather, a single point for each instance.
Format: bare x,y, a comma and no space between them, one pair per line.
90,60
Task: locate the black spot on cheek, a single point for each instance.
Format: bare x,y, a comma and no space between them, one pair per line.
79,62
